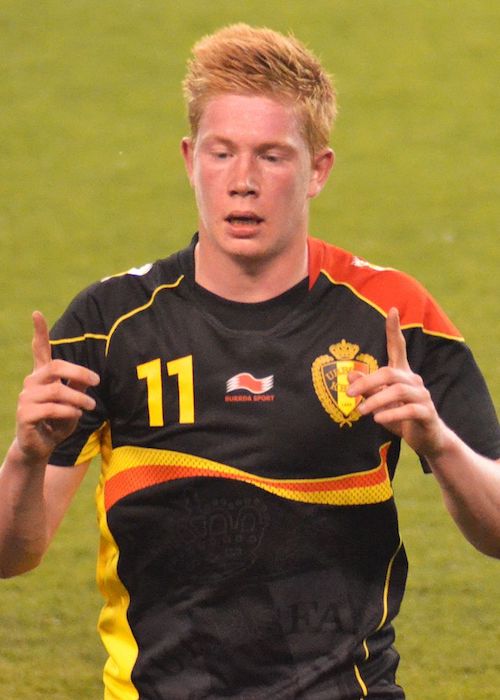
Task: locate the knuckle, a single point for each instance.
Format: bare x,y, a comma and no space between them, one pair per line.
56,366
24,397
57,391
420,381
28,382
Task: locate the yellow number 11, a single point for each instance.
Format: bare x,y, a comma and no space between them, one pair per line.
151,371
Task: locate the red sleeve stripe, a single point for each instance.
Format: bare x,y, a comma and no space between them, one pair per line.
380,288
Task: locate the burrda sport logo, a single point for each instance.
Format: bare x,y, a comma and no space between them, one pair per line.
245,388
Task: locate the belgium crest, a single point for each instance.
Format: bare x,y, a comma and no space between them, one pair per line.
330,380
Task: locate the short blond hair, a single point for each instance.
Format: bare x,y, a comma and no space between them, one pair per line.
247,60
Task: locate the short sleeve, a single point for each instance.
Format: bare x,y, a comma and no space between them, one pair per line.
79,336
458,389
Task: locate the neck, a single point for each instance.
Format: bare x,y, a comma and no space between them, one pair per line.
250,281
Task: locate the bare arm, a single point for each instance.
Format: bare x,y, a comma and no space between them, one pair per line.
397,398
34,501
34,496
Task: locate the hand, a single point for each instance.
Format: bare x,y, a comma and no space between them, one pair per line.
52,400
397,399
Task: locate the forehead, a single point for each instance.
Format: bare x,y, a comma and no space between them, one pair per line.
250,118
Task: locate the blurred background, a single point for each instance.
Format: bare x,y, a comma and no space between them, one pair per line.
92,183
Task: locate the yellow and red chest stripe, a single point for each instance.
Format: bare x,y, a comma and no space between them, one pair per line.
134,468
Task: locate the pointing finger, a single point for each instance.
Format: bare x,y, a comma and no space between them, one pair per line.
396,345
40,344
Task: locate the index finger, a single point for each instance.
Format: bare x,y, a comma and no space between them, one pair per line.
40,345
396,345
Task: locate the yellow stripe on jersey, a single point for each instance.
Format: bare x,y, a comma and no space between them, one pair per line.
385,609
383,619
94,444
382,312
134,468
113,624
138,310
107,336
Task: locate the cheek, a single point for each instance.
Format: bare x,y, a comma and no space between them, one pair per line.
210,199
204,188
291,192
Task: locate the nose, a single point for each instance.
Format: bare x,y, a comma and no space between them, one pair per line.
243,180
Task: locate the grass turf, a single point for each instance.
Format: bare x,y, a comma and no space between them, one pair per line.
92,183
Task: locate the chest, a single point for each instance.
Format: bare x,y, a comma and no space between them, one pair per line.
274,402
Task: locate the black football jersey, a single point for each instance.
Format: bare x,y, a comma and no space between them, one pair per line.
249,537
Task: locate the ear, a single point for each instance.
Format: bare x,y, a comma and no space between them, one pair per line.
187,149
322,164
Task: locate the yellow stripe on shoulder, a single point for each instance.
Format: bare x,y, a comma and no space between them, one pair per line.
106,337
79,338
384,311
143,307
438,334
353,289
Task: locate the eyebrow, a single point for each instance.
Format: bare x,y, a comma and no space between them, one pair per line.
279,145
261,147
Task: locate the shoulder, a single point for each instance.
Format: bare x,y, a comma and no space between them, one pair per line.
380,287
97,307
125,290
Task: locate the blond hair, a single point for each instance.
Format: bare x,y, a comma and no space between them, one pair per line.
246,60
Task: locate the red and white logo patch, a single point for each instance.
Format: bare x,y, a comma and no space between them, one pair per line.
245,382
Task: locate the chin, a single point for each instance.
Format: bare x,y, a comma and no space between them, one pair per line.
248,249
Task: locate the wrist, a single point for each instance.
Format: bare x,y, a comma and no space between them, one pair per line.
447,447
23,458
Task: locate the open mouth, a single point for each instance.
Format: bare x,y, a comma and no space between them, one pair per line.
244,219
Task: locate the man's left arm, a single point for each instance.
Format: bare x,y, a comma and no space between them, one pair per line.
397,399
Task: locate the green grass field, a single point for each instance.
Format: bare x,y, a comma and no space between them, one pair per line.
92,183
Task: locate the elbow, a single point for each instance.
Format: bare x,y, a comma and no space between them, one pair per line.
485,540
13,568
481,528
490,548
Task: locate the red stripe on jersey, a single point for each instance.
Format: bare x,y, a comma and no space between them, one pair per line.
142,476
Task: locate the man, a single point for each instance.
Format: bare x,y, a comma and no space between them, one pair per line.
247,396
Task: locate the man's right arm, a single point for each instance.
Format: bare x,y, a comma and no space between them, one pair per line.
34,495
34,499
